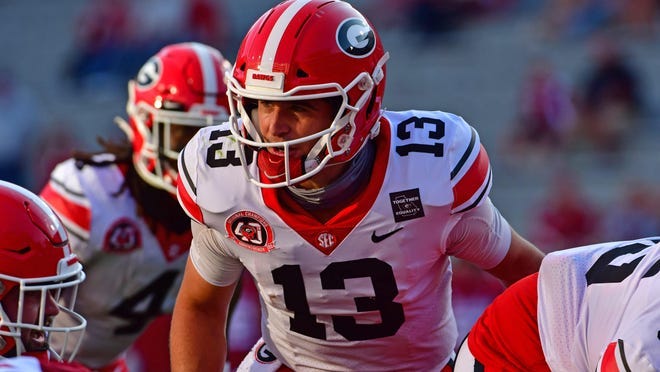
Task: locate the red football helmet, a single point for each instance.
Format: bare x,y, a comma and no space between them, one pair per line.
35,261
308,49
177,91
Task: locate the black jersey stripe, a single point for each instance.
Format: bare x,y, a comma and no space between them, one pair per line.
466,154
66,189
186,173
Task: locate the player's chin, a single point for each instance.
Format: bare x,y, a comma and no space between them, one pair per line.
35,340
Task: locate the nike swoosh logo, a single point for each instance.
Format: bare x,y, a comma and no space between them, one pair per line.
379,238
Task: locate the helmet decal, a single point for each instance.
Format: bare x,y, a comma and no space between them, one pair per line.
356,38
149,74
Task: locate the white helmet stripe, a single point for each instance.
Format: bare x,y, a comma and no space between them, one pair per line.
275,37
208,72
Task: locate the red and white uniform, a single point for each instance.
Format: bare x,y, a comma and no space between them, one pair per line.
370,288
592,308
26,363
133,274
20,364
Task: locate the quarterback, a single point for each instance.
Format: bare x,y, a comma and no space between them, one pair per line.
345,214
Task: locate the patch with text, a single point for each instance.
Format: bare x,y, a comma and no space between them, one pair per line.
251,231
406,205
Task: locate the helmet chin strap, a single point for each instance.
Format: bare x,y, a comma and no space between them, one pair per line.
324,144
272,166
355,177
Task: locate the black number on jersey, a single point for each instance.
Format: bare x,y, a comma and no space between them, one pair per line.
334,277
217,157
603,271
437,132
144,305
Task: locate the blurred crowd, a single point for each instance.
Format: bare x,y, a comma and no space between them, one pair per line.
114,37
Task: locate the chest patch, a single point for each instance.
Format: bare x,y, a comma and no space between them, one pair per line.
122,237
406,205
251,231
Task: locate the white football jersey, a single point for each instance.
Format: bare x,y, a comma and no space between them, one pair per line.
26,363
133,274
370,288
599,306
20,364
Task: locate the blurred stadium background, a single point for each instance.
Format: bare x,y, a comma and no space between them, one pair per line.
473,67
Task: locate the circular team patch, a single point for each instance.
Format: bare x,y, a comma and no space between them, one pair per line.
356,38
251,231
122,237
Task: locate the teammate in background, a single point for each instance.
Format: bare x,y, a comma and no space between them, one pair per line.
350,213
120,208
37,268
591,308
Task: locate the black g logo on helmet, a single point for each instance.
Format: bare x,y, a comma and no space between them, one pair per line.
356,38
149,73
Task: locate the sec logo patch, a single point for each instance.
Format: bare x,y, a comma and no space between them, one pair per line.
251,231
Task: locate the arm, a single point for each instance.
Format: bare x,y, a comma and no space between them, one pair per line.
198,339
485,238
522,259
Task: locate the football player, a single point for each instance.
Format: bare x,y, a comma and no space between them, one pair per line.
349,213
37,270
591,308
120,208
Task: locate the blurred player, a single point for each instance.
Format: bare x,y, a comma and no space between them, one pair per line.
348,215
120,208
37,269
591,308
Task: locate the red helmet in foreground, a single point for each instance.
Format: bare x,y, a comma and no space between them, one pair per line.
35,261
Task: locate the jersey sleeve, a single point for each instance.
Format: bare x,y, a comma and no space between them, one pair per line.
606,293
65,195
213,263
20,364
561,285
470,176
481,236
187,180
